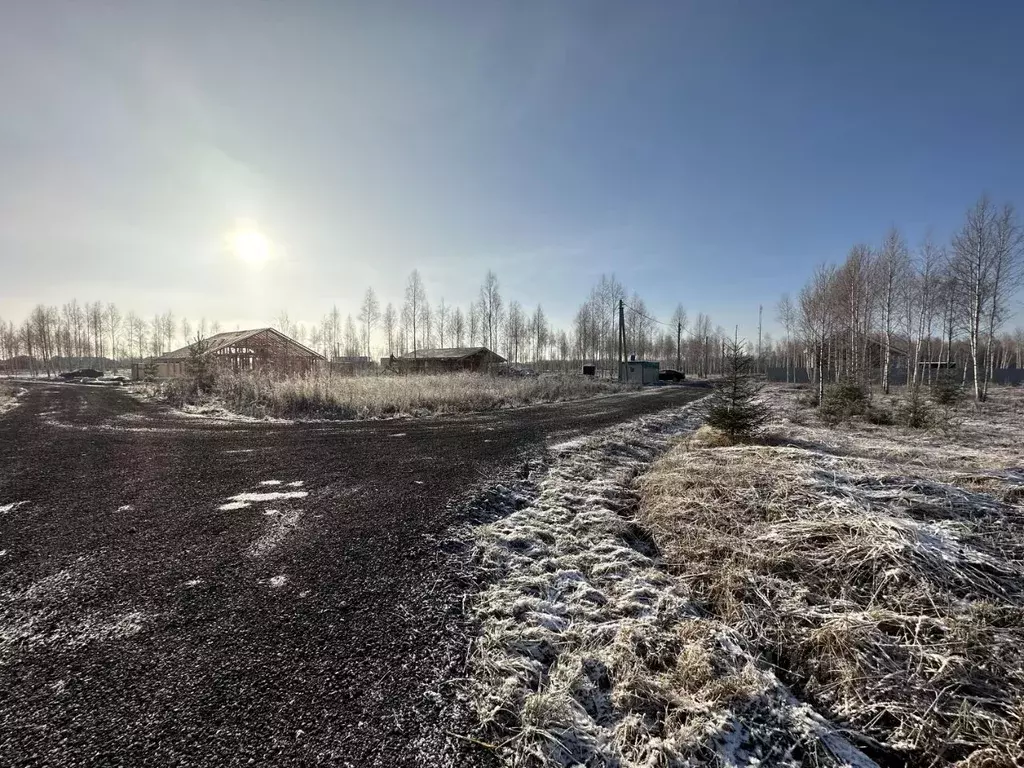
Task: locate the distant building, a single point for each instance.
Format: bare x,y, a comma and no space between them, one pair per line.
350,365
447,360
264,349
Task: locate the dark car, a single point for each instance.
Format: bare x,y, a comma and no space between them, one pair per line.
668,374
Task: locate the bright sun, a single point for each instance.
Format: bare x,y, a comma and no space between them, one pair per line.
250,245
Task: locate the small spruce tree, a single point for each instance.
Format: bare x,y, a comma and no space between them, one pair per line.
735,406
199,368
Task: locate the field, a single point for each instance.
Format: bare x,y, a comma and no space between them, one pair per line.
363,397
878,570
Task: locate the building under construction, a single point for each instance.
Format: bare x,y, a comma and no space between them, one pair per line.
260,349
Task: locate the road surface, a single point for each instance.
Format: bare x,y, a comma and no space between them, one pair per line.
148,617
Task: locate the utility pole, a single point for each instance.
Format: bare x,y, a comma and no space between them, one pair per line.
622,337
679,348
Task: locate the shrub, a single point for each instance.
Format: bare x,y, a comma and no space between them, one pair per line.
842,401
878,415
914,411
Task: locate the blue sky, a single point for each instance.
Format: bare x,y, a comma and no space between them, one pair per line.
710,153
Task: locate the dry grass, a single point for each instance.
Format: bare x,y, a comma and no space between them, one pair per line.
590,654
881,571
362,397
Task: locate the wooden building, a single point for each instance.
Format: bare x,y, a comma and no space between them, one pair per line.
447,360
263,349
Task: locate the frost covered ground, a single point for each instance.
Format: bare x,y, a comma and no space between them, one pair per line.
592,653
10,396
879,569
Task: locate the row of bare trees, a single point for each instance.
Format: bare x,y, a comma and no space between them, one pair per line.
74,335
941,306
92,334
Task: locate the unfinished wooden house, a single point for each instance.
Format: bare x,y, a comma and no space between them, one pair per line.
263,349
448,360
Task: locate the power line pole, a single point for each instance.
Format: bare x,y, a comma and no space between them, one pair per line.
622,337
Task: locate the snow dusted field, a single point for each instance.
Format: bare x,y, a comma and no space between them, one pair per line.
591,653
879,568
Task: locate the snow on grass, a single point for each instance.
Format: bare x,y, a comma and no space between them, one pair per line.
882,568
590,653
10,397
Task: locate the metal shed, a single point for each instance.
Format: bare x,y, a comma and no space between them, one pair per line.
639,372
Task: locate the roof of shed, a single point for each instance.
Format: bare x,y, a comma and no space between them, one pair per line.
221,341
450,353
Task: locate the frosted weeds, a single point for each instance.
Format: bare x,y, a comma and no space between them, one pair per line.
589,653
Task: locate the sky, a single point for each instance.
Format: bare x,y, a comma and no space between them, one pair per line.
710,153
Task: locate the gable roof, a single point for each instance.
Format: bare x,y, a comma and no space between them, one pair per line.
220,341
451,353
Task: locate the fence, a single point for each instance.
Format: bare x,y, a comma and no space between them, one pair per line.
898,376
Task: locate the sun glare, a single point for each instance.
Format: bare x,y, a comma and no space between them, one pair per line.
250,245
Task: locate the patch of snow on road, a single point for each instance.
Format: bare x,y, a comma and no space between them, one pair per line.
589,652
125,508
267,496
296,483
270,482
277,581
5,508
233,505
398,434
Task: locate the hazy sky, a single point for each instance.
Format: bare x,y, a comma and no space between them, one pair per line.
706,152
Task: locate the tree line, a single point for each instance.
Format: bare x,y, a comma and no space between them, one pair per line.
940,307
53,338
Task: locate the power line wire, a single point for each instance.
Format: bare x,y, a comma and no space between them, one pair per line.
652,319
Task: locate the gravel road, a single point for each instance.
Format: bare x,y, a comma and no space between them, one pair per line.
183,591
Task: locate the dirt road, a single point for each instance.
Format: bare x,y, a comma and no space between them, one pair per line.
152,615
